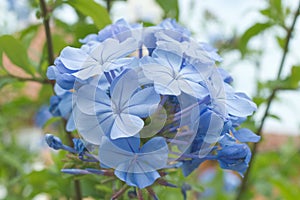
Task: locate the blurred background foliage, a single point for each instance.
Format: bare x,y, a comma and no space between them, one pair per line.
29,170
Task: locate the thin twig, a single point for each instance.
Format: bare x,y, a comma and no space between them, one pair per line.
140,194
272,96
108,5
22,79
120,192
46,21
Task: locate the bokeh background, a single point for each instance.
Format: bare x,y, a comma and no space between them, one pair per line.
251,37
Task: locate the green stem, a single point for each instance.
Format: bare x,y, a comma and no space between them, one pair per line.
272,96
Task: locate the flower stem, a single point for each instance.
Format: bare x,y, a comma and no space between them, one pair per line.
140,194
272,96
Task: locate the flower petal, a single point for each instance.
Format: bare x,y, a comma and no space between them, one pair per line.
154,154
143,103
112,154
140,180
246,135
122,88
112,48
239,106
190,73
126,125
91,100
88,126
167,58
76,59
192,88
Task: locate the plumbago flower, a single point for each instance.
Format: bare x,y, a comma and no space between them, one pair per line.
144,100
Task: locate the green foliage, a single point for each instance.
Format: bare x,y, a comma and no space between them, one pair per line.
16,52
92,9
170,8
250,33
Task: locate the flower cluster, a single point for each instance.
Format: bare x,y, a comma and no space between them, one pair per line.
148,99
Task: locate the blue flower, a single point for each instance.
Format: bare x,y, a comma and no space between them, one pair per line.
170,77
171,24
121,115
53,142
197,53
208,134
120,30
96,59
134,164
245,135
62,105
42,116
234,157
228,103
61,75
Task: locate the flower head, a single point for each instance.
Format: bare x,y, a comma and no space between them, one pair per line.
129,90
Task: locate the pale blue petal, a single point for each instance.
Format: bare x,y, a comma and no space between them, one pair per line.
65,106
190,73
143,103
90,71
52,72
130,144
154,154
246,135
239,107
122,88
91,100
59,91
70,124
140,180
169,59
192,88
121,62
106,121
112,155
111,49
156,71
126,125
167,86
75,59
88,127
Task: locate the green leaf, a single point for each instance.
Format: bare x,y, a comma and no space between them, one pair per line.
16,52
170,8
250,33
5,81
280,41
295,76
92,9
276,117
287,190
59,42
